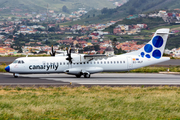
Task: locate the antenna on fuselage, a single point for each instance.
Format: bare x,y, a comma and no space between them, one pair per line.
26,54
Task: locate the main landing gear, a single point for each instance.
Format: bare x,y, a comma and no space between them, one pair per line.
78,76
86,75
15,75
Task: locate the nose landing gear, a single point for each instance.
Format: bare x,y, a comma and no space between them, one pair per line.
15,75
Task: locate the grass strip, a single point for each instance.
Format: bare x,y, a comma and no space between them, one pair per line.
2,68
90,103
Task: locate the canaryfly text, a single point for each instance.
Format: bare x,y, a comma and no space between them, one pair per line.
44,66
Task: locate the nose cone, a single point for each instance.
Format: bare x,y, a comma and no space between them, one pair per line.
7,68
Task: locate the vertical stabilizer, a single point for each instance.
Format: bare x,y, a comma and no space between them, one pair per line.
155,47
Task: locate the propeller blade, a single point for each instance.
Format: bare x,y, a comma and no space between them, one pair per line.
52,51
69,58
66,50
70,50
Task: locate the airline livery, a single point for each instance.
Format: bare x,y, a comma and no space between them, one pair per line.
82,64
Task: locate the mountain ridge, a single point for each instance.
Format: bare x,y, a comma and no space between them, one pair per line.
133,7
38,5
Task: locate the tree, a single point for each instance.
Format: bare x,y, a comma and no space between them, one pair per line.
20,50
104,10
132,11
10,37
39,29
77,45
65,9
119,51
52,29
114,42
96,47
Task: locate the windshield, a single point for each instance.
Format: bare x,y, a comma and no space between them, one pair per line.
19,61
15,61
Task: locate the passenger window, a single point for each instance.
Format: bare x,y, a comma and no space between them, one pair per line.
114,62
94,62
104,62
22,61
87,62
123,61
111,62
19,62
60,63
101,62
84,63
64,63
80,62
118,62
107,62
97,62
67,63
90,62
74,63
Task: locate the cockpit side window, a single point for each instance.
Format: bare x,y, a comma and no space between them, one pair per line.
19,61
16,61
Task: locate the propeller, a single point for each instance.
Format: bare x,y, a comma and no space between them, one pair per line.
69,58
52,51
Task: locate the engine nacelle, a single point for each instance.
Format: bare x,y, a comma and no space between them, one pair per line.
73,71
78,71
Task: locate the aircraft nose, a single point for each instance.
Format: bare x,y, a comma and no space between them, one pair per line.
7,68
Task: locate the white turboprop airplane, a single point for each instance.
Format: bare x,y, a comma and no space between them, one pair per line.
81,64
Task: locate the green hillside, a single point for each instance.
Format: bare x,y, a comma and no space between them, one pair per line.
36,5
138,6
131,7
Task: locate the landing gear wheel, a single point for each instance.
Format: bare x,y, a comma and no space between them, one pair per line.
87,75
15,75
78,76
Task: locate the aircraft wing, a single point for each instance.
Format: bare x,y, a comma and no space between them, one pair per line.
95,56
91,57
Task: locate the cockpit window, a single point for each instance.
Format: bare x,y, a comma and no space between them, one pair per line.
15,61
19,61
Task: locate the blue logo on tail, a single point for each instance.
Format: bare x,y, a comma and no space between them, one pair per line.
157,42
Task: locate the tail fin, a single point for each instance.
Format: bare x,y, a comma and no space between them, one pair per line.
155,47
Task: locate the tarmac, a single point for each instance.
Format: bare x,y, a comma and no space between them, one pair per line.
101,79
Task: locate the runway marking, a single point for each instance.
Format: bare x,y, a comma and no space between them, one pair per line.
129,83
34,83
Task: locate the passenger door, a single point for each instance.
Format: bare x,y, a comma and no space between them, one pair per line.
129,63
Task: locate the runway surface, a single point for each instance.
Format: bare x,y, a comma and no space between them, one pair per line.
110,79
